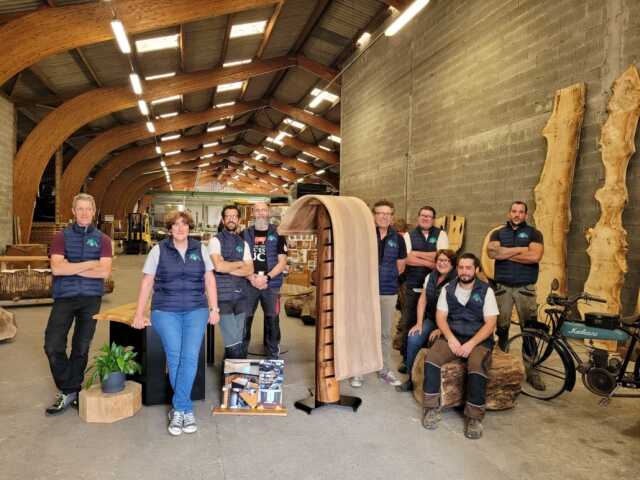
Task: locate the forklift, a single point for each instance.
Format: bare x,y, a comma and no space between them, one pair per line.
138,234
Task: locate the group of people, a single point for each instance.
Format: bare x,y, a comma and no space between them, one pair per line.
190,284
447,308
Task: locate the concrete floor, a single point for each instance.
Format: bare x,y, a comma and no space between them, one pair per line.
570,437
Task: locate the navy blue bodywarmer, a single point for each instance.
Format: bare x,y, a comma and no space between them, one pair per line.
230,287
271,243
416,275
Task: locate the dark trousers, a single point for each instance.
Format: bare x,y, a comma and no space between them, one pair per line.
409,316
269,300
68,371
478,365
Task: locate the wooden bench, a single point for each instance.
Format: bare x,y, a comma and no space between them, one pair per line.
505,377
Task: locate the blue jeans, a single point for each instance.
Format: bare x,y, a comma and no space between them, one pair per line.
181,334
416,342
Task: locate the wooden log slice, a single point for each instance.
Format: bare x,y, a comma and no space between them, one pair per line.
8,327
488,264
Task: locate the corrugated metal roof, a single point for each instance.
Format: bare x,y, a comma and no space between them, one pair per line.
346,17
11,6
63,72
110,65
292,19
203,43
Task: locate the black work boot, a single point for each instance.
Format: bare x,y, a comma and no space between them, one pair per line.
405,387
503,338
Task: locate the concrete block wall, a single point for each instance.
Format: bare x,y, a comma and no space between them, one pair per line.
7,152
449,112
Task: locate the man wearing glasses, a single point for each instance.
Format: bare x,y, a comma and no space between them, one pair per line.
233,263
391,260
422,244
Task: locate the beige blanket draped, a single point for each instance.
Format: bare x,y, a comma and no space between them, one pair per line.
356,309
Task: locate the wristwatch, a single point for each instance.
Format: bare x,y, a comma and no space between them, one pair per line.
269,277
214,309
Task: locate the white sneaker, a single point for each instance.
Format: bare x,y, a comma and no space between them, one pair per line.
356,382
189,423
388,377
175,422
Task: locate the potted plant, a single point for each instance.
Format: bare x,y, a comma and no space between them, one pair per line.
111,366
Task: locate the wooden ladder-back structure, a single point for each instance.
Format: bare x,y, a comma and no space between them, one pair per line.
348,312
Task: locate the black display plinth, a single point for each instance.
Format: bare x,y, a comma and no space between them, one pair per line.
156,389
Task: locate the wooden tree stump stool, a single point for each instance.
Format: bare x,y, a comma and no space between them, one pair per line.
98,407
505,377
8,327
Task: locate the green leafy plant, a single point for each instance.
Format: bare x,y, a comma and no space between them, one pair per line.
112,358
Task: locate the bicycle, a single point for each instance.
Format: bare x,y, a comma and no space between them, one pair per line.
547,353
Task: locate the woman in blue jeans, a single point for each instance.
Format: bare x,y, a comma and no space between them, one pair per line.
179,271
425,330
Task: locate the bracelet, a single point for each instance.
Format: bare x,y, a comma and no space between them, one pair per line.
214,309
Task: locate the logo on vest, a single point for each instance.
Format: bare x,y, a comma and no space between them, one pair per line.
522,235
92,242
239,248
194,257
476,298
271,237
433,240
392,244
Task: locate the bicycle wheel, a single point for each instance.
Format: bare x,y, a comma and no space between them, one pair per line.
545,371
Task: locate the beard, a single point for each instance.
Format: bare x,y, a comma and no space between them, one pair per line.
261,223
466,280
230,226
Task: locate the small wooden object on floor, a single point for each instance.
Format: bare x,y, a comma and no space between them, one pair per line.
505,377
99,407
277,412
8,327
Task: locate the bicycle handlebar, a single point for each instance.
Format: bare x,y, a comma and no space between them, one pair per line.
555,299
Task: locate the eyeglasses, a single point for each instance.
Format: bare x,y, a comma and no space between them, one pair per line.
231,217
426,216
383,214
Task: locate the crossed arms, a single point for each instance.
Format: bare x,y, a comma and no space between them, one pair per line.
61,267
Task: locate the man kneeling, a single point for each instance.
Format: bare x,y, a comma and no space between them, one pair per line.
466,315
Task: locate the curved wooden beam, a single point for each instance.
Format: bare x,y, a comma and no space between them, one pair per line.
315,121
80,166
288,175
45,32
115,166
329,157
284,160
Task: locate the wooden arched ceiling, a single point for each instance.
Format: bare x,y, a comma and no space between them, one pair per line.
28,39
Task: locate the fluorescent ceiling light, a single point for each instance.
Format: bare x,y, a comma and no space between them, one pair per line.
216,128
202,165
275,140
320,172
163,164
270,149
236,177
260,156
173,152
168,115
225,104
235,63
158,150
286,185
151,127
364,39
246,29
299,180
157,43
165,99
225,87
405,17
121,36
325,148
143,107
300,159
333,138
136,85
207,145
246,167
160,75
208,155
171,187
170,137
330,97
273,175
294,123
262,180
310,155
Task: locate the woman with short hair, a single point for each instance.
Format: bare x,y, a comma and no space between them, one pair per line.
179,271
425,331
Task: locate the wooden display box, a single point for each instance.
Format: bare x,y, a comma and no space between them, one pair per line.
99,407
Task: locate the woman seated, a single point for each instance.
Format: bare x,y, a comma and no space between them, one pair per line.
425,331
179,271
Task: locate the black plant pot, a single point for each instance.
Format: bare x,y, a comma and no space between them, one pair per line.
114,383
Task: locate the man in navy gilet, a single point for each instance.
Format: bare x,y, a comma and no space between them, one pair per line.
391,263
232,262
517,249
466,315
422,244
269,251
80,261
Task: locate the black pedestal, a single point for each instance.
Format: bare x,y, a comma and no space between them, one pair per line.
310,404
156,389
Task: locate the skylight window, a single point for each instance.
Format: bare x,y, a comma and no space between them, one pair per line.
168,115
246,29
236,63
216,128
226,87
160,75
321,95
157,43
174,152
294,123
225,104
165,99
334,138
170,137
325,148
208,155
207,145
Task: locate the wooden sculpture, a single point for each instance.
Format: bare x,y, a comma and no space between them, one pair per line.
348,326
454,226
8,327
553,192
488,264
608,239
